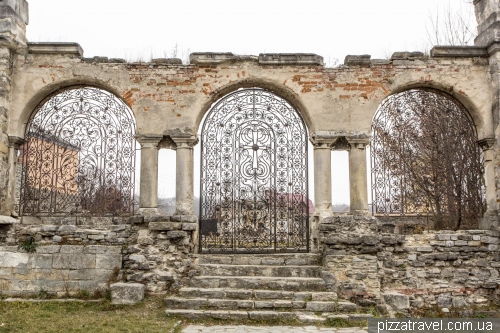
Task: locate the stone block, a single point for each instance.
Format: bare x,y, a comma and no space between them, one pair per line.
165,276
459,51
49,249
424,249
444,301
324,296
137,258
397,301
67,228
189,226
127,293
490,240
43,261
320,306
176,234
185,218
49,228
290,59
458,302
71,249
164,226
13,260
108,261
73,261
8,220
357,60
346,307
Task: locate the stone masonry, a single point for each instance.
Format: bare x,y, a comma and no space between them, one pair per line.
357,261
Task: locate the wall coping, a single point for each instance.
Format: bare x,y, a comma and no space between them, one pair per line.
55,48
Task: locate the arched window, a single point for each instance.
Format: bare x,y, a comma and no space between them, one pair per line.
426,160
254,176
78,157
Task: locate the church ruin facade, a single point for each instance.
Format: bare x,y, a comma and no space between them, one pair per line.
255,200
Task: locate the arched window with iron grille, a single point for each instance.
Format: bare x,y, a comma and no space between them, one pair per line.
426,160
79,156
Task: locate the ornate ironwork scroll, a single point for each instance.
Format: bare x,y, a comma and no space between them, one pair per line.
78,157
254,176
426,160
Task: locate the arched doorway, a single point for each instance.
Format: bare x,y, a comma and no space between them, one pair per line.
78,157
254,180
426,160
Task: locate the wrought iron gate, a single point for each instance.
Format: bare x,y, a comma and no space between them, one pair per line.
254,176
426,159
78,157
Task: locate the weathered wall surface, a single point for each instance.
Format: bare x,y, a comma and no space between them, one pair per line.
5,87
58,269
157,252
442,268
165,97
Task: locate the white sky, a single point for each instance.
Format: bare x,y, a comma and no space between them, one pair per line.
139,30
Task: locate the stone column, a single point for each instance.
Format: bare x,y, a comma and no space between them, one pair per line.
490,219
357,175
148,203
323,177
184,182
488,26
14,144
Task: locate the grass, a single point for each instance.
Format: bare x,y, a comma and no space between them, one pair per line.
103,317
95,317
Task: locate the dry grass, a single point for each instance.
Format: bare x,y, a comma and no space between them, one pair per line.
95,317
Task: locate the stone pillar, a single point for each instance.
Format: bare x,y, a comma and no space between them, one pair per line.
490,219
184,182
357,175
148,203
14,18
323,177
14,144
488,26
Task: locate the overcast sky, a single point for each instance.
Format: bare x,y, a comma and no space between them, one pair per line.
141,30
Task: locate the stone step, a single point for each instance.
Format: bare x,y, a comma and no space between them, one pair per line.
263,282
246,294
292,259
259,270
233,304
303,316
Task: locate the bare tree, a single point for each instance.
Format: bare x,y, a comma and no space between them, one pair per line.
451,27
426,159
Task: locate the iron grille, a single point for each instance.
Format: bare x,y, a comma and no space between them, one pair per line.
426,160
254,176
78,157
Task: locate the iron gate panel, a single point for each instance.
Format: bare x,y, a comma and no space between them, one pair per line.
426,159
78,157
254,176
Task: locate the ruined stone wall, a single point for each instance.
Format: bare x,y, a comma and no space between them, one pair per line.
157,252
165,97
443,268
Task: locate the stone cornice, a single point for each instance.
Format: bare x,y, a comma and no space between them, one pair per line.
486,143
357,142
15,141
149,141
459,52
185,141
215,58
55,48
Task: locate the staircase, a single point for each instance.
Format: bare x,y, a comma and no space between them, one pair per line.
249,286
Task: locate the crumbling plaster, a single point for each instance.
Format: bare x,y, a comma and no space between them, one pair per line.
165,97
